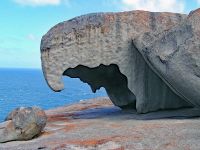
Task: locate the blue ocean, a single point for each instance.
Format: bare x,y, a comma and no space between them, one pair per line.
27,87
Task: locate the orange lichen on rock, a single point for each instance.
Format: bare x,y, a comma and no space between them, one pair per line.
93,142
71,128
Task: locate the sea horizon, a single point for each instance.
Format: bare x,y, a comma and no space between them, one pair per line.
27,87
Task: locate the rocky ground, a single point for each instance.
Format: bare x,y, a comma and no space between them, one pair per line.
98,125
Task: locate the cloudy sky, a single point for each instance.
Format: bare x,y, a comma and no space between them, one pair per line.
23,22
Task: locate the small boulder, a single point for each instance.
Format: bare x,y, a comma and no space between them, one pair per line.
22,124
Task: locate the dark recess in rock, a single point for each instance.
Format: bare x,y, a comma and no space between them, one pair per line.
109,77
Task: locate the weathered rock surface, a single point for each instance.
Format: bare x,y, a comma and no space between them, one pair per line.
98,49
98,125
22,124
175,56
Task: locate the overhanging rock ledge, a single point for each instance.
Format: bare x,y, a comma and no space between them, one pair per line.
110,50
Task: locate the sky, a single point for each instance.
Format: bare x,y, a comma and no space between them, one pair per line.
23,22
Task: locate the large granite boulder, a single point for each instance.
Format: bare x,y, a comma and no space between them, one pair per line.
99,49
22,124
174,55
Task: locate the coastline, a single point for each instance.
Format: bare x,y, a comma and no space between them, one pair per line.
98,124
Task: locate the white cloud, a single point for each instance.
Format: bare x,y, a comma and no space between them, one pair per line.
38,2
198,1
154,5
32,37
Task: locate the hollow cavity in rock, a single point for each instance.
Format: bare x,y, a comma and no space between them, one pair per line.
109,77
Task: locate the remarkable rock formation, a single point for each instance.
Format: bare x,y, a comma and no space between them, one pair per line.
100,49
174,55
22,124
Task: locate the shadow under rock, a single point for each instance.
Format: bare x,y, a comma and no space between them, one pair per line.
115,113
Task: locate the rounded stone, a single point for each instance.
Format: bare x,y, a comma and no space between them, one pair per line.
23,124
